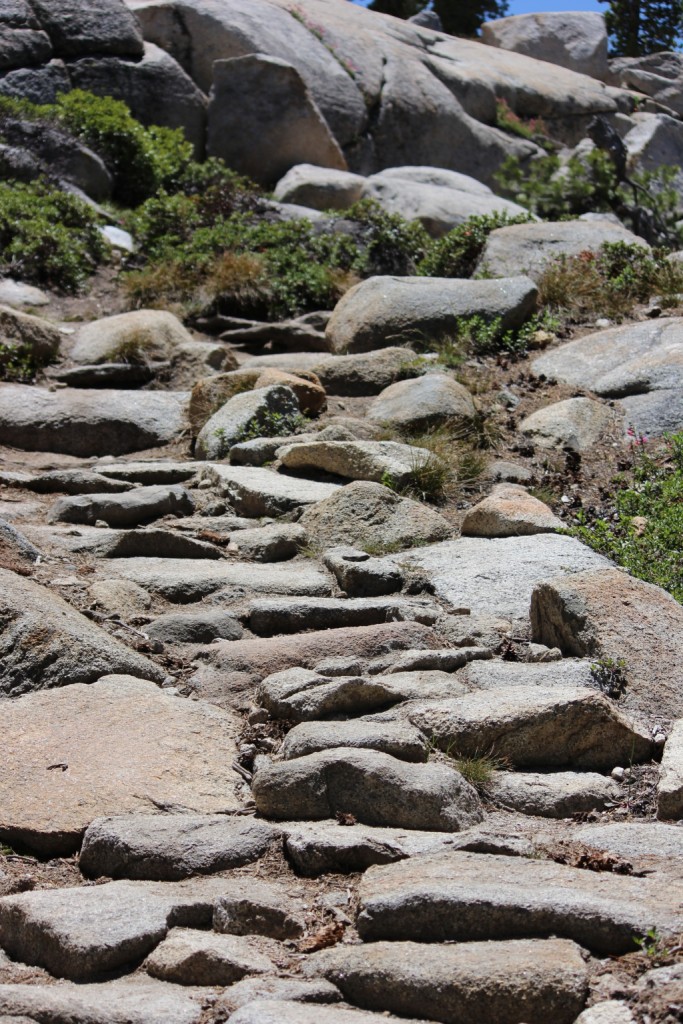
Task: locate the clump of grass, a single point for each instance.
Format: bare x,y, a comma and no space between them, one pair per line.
479,769
133,349
429,479
642,523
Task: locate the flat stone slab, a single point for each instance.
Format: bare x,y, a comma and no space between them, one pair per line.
532,727
134,1001
290,990
141,505
45,642
301,695
83,933
261,492
316,848
652,845
532,980
168,847
555,794
229,669
183,579
494,673
396,738
268,617
473,897
191,957
275,1011
497,576
117,746
374,788
83,422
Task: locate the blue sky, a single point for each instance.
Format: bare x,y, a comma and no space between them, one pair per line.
532,6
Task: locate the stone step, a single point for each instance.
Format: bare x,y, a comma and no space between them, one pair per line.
261,492
534,727
301,695
139,1000
372,787
530,980
396,738
267,617
274,1011
473,897
168,847
555,794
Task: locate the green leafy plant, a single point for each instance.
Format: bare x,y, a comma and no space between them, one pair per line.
642,523
510,122
47,236
652,944
457,253
273,424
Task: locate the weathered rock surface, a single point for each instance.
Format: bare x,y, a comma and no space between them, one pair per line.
268,617
115,747
145,334
258,908
191,957
555,795
366,373
423,402
509,511
138,1001
359,575
530,248
259,492
358,460
290,990
277,542
167,847
195,628
385,310
527,979
375,788
231,668
274,1011
46,643
641,365
369,515
576,40
399,739
264,120
83,422
487,675
469,896
562,726
321,188
643,844
83,933
608,614
183,579
497,577
301,695
123,510
575,423
670,789
656,74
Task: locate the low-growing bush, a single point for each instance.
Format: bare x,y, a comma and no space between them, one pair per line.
47,236
457,253
641,526
610,282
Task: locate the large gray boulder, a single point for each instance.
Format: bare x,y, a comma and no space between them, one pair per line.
118,746
104,27
531,980
262,413
46,643
263,119
83,422
140,1001
321,188
383,311
530,248
656,141
575,423
606,613
380,461
670,788
392,94
576,40
156,89
659,75
423,402
369,515
640,365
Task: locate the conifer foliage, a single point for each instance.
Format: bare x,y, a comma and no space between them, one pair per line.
639,27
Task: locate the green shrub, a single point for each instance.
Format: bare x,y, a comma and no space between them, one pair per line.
142,160
457,253
47,236
650,546
385,243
